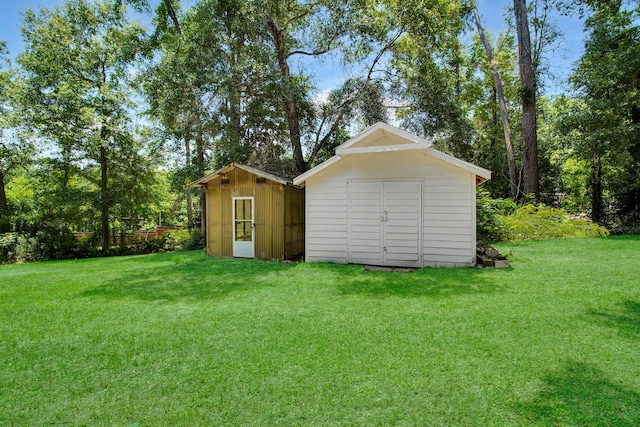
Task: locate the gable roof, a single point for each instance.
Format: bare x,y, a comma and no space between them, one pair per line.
393,136
382,137
202,182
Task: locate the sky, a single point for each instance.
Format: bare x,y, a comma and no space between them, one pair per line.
330,73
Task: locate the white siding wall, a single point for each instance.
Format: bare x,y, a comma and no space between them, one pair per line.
447,236
449,220
326,222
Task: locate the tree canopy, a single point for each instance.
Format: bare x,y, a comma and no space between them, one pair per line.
105,121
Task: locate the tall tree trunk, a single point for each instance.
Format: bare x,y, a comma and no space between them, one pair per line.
105,201
289,102
458,136
187,146
201,168
596,190
506,125
235,125
530,177
4,207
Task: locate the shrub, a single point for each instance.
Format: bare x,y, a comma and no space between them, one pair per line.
8,243
184,240
138,247
489,228
531,222
48,242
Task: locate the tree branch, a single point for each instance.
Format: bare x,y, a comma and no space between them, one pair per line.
314,53
172,14
383,50
302,15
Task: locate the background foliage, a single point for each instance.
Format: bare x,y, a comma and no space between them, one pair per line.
104,121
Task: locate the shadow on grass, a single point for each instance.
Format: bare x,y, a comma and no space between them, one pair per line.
626,320
427,282
194,276
183,277
582,395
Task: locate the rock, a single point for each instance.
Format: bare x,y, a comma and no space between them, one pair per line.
501,263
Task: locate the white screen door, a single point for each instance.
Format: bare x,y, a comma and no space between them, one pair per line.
243,227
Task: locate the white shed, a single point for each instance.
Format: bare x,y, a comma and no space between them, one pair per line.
387,198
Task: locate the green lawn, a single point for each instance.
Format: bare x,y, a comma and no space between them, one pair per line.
183,339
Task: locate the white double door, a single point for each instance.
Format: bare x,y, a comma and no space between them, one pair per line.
384,223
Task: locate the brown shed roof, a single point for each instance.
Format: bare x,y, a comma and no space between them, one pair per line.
223,171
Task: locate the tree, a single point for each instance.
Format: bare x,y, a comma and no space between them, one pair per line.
312,29
15,151
76,63
5,151
545,40
504,114
238,60
530,179
173,83
607,121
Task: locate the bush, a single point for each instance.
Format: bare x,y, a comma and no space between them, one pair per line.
489,228
15,247
50,243
8,243
184,240
44,244
531,222
138,247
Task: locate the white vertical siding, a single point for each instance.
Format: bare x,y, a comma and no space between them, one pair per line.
383,223
365,225
402,223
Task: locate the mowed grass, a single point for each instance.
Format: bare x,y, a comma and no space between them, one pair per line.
184,339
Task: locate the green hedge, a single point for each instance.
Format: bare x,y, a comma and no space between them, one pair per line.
53,244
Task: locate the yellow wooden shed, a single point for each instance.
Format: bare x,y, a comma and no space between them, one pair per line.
252,214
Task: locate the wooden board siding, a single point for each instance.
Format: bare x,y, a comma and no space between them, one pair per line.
272,244
278,215
293,222
226,222
214,228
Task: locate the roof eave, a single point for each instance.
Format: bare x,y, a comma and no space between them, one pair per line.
202,182
300,180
